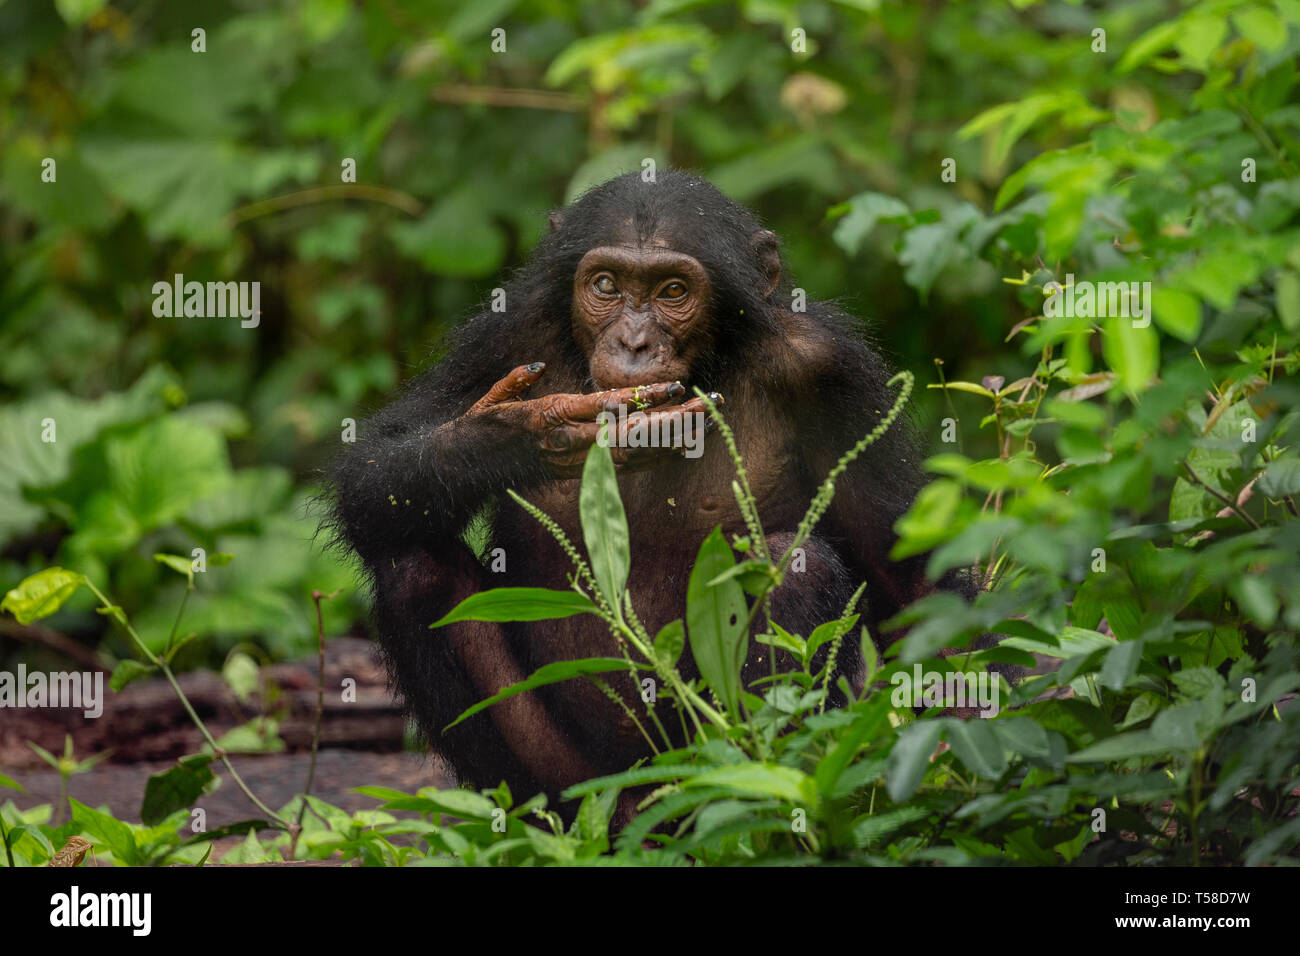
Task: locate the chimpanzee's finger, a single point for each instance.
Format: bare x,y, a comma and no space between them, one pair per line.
584,408
510,386
662,424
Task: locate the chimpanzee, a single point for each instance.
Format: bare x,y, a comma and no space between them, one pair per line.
640,292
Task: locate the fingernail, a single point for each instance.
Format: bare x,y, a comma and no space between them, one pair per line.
675,389
536,367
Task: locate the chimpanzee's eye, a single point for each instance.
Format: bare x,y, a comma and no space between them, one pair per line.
673,290
605,285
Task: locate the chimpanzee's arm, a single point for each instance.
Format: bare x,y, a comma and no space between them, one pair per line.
416,474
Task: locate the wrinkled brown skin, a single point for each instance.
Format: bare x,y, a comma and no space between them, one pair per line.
514,406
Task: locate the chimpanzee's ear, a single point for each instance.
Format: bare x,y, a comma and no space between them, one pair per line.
764,245
556,219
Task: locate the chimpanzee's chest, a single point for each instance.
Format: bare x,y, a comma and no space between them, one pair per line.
680,500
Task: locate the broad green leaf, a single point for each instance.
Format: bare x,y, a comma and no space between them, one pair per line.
517,604
176,788
1177,312
865,210
127,671
1261,27
670,642
1132,353
1198,36
1288,299
465,804
77,12
1281,478
457,237
112,834
1121,664
41,594
259,736
1256,599
178,564
977,746
240,673
715,620
604,526
910,758
1156,40
866,726
829,632
762,779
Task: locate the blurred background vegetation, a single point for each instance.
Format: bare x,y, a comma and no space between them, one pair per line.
226,165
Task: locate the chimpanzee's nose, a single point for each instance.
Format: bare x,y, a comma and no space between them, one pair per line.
635,337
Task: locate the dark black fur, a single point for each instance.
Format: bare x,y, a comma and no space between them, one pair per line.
402,498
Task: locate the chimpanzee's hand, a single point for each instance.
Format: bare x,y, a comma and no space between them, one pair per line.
564,426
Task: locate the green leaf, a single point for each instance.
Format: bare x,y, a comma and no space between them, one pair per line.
755,577
670,642
240,672
976,745
604,526
1288,299
41,594
928,248
715,619
1281,478
551,673
865,210
870,657
1199,35
1256,599
761,779
178,564
1133,353
1121,664
1261,26
829,632
970,387
77,12
780,637
1177,312
465,804
251,851
259,736
176,788
518,604
457,237
910,758
113,834
127,671
866,726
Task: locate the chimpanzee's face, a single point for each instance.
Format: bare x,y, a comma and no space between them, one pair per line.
641,314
